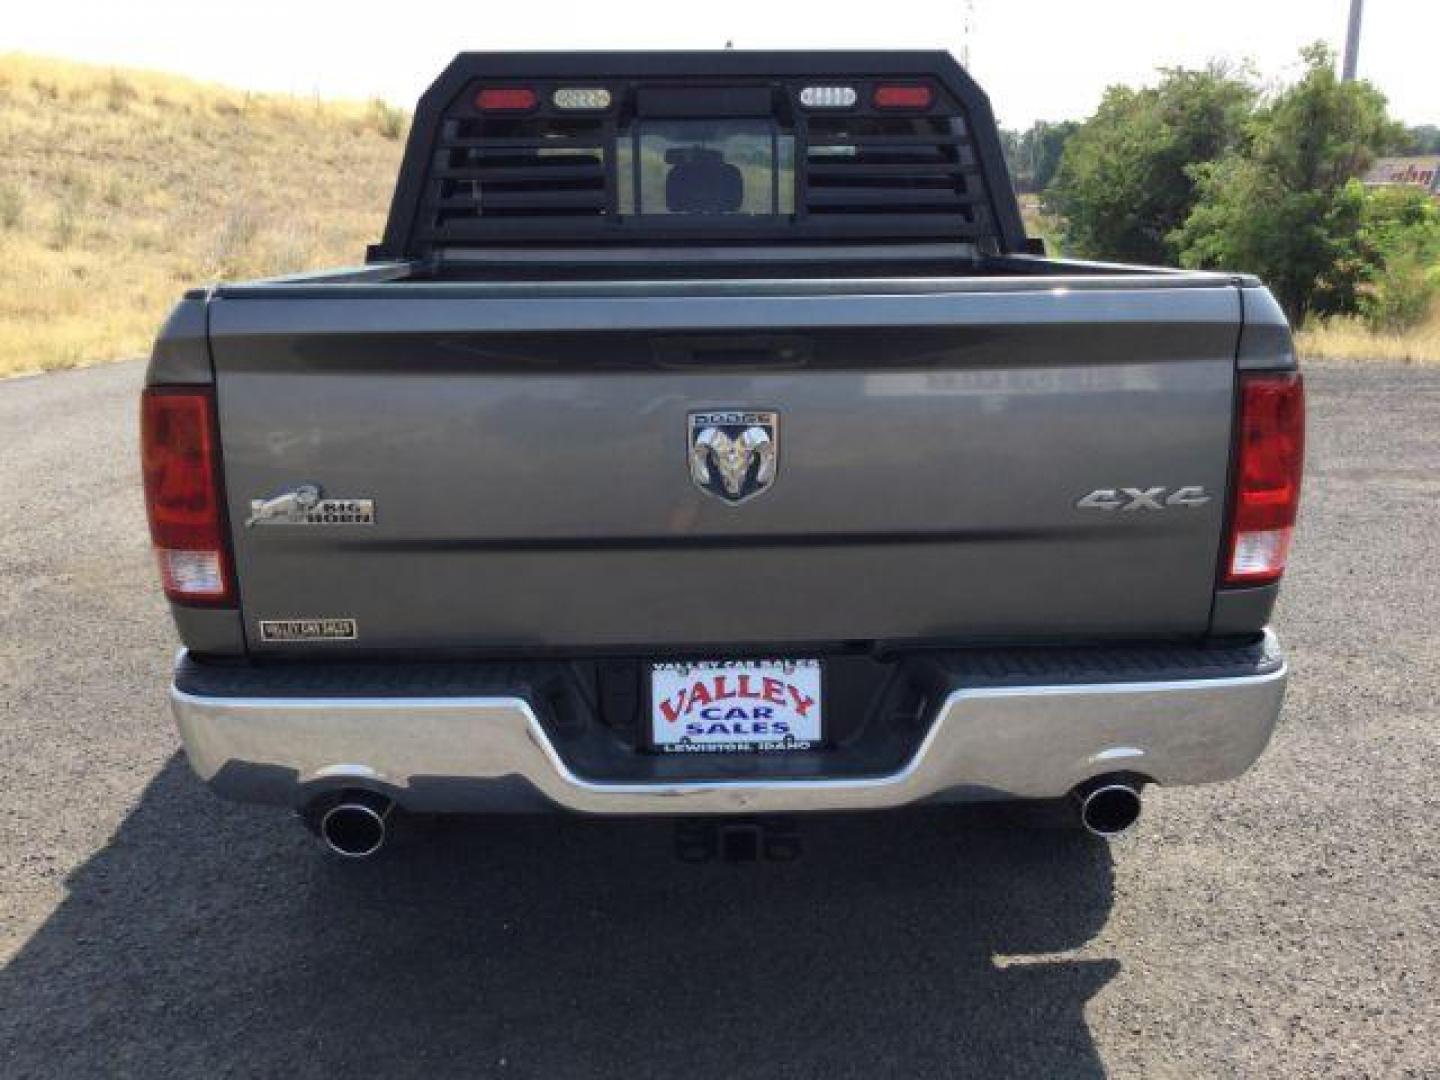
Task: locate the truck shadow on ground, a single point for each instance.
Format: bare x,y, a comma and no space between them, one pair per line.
210,939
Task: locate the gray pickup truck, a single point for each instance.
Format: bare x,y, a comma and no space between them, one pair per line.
705,437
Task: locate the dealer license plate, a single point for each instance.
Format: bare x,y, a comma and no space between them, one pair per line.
735,706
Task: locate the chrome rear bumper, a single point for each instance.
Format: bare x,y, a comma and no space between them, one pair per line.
493,753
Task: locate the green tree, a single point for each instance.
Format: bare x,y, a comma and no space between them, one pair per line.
1010,146
1045,146
1033,155
1124,183
1278,203
1422,139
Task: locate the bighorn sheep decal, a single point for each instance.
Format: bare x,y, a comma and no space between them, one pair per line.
733,456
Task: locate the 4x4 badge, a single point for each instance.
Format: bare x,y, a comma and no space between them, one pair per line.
734,453
1151,498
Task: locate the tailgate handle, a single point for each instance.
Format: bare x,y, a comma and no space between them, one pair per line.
746,352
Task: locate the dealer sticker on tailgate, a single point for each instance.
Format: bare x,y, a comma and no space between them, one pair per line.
735,706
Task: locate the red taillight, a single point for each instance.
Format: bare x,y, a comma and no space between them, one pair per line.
902,97
1269,452
180,461
505,99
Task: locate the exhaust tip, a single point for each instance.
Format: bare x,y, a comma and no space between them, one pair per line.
1109,809
356,828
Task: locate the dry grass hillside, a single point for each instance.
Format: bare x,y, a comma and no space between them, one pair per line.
119,189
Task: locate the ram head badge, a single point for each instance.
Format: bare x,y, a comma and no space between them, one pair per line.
734,453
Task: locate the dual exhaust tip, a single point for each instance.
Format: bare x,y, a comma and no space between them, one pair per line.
1108,807
358,825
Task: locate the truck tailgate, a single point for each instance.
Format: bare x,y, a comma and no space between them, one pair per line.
527,455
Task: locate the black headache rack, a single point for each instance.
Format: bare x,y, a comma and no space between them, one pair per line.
719,148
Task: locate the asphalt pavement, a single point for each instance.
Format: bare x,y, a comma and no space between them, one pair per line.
1282,924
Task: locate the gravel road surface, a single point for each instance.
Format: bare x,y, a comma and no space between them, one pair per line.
1283,924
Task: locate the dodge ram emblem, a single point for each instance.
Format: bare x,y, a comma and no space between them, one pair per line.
734,453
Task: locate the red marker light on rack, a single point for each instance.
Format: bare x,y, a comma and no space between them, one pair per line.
505,99
902,97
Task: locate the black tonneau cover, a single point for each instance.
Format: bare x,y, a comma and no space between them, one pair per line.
473,178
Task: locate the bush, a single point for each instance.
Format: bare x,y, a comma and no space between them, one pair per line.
1248,219
1398,251
1401,299
389,120
1281,205
1124,184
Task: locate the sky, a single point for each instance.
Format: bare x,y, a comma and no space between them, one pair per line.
1037,59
